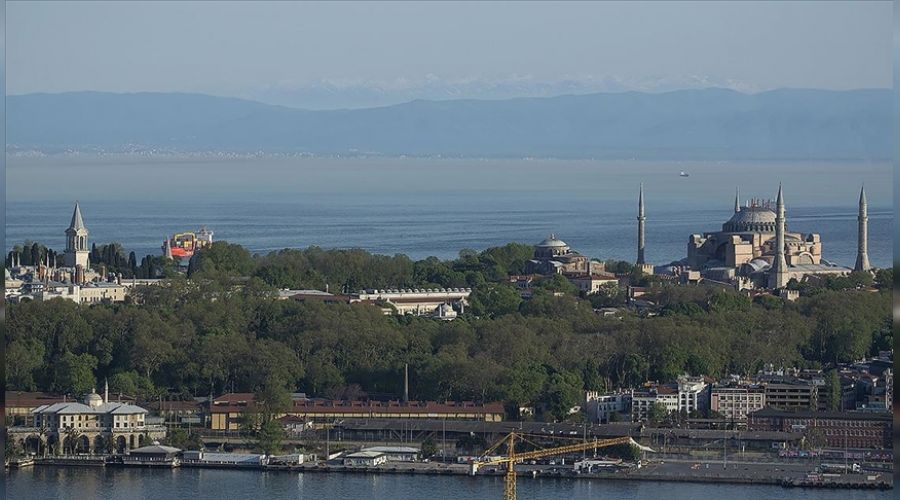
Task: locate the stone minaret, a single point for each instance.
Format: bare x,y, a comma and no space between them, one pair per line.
77,241
862,255
641,219
778,275
737,200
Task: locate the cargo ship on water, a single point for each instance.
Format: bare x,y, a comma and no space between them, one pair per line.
183,245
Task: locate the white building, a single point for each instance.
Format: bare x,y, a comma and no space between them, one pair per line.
593,283
600,407
688,395
397,453
365,459
94,426
737,402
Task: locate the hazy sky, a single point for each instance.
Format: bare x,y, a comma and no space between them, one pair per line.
229,47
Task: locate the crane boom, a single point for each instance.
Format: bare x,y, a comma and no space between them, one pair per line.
559,450
513,457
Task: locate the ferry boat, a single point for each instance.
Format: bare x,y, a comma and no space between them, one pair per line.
183,245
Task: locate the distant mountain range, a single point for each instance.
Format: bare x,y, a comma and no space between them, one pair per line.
685,124
360,93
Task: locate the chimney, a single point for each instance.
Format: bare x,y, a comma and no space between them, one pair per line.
406,383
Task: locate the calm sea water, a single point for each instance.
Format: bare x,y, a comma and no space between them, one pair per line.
51,483
435,207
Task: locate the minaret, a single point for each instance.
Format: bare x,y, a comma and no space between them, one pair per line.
862,255
778,275
77,241
106,390
737,200
641,219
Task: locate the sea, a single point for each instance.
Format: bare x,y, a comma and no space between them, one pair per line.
51,483
435,207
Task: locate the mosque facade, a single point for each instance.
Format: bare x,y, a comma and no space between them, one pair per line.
756,249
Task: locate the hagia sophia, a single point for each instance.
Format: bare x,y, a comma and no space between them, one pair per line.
754,250
755,247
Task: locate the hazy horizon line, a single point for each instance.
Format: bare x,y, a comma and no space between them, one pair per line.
451,98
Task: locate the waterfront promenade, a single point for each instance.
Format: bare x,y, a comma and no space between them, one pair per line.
670,469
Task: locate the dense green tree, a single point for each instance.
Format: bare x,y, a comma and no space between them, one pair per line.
658,413
270,437
494,300
23,358
74,374
222,257
832,390
563,392
429,448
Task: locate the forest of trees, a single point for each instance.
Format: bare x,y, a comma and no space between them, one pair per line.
221,330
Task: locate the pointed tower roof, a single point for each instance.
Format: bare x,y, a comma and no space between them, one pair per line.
641,200
862,196
737,200
77,222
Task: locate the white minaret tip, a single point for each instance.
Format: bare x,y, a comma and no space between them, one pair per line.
737,200
641,200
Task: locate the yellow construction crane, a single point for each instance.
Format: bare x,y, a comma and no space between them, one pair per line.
512,457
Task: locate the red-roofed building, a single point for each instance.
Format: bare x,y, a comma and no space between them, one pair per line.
226,410
19,405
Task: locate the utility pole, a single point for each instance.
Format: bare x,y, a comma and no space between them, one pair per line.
584,438
725,452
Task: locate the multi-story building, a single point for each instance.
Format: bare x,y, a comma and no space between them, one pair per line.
792,395
95,426
600,408
736,402
853,430
642,402
688,395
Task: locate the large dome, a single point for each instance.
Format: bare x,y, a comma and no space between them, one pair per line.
751,220
552,242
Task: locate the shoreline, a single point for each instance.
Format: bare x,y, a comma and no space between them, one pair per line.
850,481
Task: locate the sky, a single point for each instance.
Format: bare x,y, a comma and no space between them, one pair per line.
275,49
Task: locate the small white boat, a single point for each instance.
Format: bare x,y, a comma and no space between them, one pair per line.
684,174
